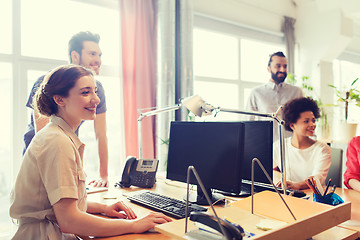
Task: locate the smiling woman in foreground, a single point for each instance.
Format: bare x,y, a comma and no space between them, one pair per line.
49,197
304,157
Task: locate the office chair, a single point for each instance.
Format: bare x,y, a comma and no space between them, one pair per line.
335,171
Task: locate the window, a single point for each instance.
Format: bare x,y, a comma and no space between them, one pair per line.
43,47
345,72
215,55
32,76
6,33
227,64
219,94
38,50
114,132
55,28
254,59
5,149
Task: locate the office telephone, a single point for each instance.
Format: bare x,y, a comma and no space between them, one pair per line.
232,231
139,172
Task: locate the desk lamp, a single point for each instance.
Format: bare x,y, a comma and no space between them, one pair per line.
194,104
200,107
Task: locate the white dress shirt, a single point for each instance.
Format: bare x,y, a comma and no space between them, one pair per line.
269,97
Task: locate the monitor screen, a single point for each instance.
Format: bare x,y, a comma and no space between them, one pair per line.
222,153
215,149
258,144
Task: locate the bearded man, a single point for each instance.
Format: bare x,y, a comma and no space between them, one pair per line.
269,97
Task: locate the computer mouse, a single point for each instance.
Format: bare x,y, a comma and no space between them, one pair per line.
296,193
152,230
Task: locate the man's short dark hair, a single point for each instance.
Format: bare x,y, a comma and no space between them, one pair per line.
76,42
279,54
295,107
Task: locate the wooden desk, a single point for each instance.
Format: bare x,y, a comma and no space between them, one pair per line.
349,195
178,190
173,189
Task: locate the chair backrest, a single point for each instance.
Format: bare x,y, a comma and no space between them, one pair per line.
335,171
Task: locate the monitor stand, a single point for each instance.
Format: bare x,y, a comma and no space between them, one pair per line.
245,191
199,197
242,194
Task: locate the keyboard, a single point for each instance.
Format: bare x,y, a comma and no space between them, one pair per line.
170,206
246,190
262,187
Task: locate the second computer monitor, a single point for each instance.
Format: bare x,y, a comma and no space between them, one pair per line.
221,152
258,143
215,149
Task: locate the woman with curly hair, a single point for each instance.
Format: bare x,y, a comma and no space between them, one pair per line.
304,156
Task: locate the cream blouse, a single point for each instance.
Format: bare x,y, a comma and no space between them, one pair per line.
52,169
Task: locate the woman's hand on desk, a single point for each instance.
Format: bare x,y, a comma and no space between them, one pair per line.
117,209
150,221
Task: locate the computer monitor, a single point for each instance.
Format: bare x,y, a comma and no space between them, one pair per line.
221,153
258,144
215,149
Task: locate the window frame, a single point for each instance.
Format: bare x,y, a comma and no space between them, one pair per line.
222,26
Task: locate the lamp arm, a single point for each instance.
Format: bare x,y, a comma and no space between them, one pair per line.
156,111
270,115
147,114
282,157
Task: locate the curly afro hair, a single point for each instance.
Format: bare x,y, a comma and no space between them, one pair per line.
295,107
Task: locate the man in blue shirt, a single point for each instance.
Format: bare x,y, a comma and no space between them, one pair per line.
84,50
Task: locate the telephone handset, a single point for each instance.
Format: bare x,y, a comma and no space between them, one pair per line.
139,172
232,231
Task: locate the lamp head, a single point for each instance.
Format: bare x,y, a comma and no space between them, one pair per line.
197,106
